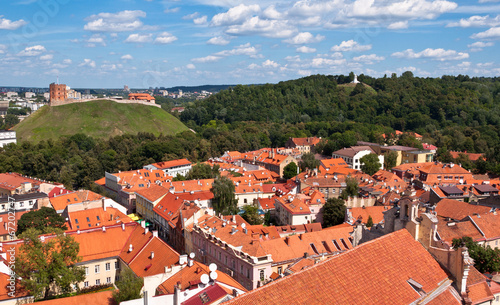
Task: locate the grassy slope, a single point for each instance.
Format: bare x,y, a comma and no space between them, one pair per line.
100,119
349,87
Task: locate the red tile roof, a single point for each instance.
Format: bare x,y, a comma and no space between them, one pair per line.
359,276
97,217
60,202
173,163
98,298
311,141
143,264
11,181
362,214
458,210
472,157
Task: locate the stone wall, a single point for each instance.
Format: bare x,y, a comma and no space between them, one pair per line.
59,103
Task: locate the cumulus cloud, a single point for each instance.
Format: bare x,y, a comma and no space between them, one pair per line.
6,24
46,57
201,20
165,38
235,15
305,37
321,62
479,45
434,54
270,64
476,21
172,10
32,51
398,25
209,58
127,57
67,61
421,9
87,63
244,49
272,13
493,33
123,21
190,66
3,48
305,49
350,46
220,41
266,28
139,38
369,59
94,40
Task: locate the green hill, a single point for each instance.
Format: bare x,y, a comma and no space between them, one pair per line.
99,119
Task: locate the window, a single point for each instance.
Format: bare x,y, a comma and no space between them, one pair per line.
98,282
21,204
262,274
88,219
108,266
76,220
98,219
31,202
97,268
280,270
117,278
86,270
117,265
86,284
108,280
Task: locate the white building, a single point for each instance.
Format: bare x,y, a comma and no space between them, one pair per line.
353,154
7,136
172,168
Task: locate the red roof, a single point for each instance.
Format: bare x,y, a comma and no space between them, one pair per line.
173,163
360,276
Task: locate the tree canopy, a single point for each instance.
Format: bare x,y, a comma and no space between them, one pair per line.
485,258
129,286
48,264
202,171
370,164
251,215
309,161
333,212
44,220
224,201
352,188
290,170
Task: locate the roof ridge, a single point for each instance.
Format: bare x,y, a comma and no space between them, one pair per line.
142,248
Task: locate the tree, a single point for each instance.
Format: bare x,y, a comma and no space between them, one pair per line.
44,220
290,170
202,171
11,120
308,161
48,264
369,222
370,164
129,286
390,160
485,259
224,201
351,189
251,215
333,212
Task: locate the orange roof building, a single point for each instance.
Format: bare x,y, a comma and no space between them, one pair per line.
404,274
141,97
305,145
60,202
172,168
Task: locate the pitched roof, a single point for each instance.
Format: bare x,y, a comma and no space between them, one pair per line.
60,202
458,210
153,192
306,141
11,181
362,214
145,264
358,276
472,157
489,224
98,298
352,151
170,164
210,295
96,217
190,274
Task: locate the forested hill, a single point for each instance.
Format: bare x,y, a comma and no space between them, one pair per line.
404,103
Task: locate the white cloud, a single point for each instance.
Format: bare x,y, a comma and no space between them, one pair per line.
96,39
398,25
67,61
435,54
3,48
87,63
325,62
32,51
220,41
476,21
305,49
244,49
304,72
369,59
272,13
270,64
191,16
493,33
201,20
266,28
118,22
479,45
165,38
139,38
209,58
172,10
190,66
350,46
421,9
6,24
305,37
235,15
46,57
127,57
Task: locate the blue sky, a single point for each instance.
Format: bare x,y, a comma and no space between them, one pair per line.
153,43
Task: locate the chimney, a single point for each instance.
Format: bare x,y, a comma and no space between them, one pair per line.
146,231
103,228
235,293
103,204
155,233
130,248
177,294
143,224
152,255
234,218
123,226
190,262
